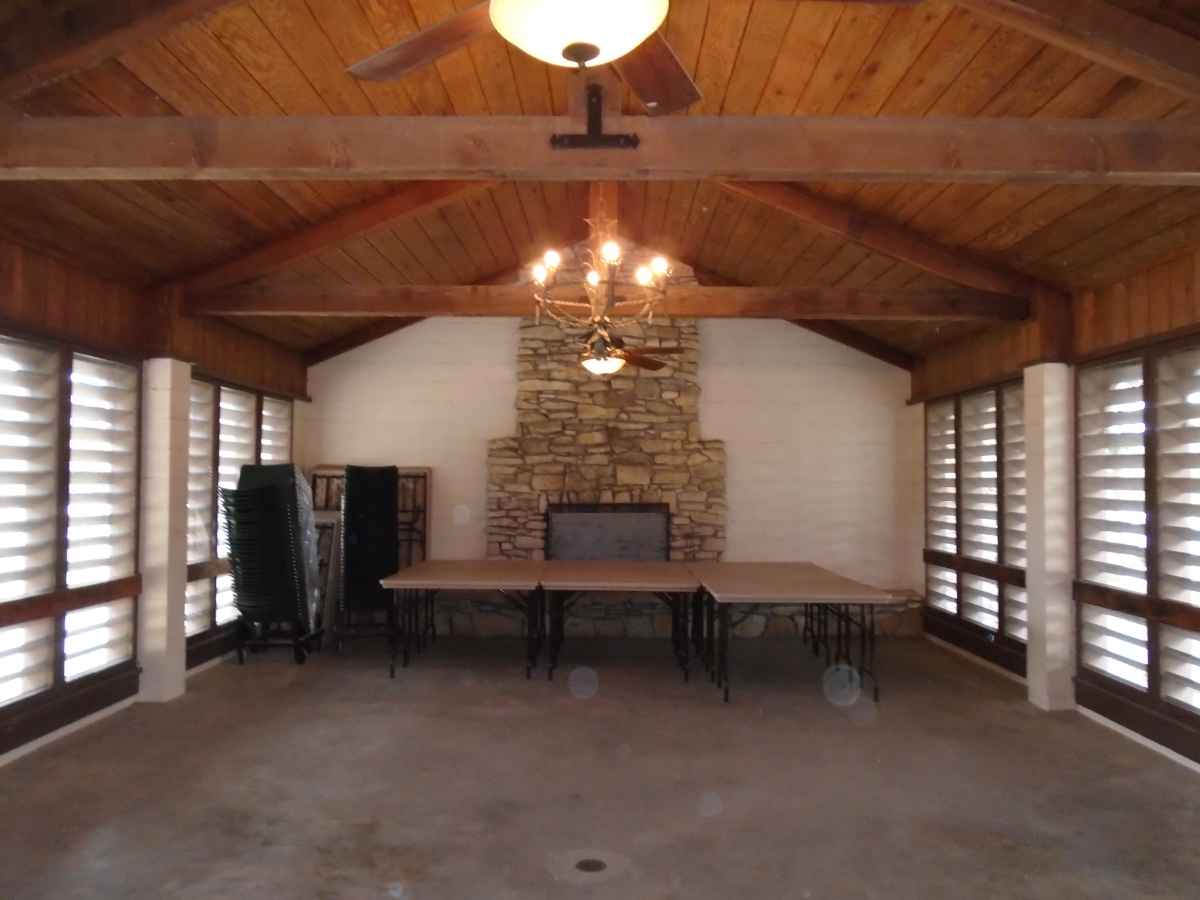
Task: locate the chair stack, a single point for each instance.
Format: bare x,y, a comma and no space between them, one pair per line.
370,551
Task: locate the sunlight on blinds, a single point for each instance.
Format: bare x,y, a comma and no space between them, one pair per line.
197,606
1016,613
1180,666
1112,496
1178,409
226,611
97,637
940,501
980,599
276,431
980,485
28,463
941,589
102,507
200,472
1013,400
1115,644
236,447
26,659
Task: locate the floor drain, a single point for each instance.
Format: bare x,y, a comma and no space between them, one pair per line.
591,865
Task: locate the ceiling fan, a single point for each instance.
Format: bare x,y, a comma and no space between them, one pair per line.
605,353
585,33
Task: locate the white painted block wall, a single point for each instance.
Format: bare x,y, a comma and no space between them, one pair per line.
819,438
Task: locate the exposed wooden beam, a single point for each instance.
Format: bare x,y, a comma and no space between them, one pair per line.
408,200
44,41
1107,34
1085,151
355,339
885,237
860,341
407,301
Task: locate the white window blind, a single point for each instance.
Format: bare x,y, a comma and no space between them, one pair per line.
1178,427
1016,613
201,434
197,606
941,504
226,611
980,599
28,467
276,430
237,444
1180,666
941,589
1112,496
102,505
26,659
97,637
980,531
1115,644
1012,398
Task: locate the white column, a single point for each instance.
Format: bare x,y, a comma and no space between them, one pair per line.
162,646
1050,483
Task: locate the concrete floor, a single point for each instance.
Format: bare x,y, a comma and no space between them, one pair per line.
462,780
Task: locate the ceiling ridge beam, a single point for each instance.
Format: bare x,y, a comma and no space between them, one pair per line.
409,200
1105,34
886,237
671,148
47,42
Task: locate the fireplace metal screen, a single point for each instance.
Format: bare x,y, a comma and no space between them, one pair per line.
636,531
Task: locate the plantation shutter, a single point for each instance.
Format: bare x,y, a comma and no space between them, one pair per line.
1016,613
1180,666
941,503
941,589
97,637
26,659
980,532
1178,423
1112,471
276,431
200,472
235,448
102,504
980,599
1012,398
28,467
1115,644
197,606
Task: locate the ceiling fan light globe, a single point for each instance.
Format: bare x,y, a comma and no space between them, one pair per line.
546,28
603,365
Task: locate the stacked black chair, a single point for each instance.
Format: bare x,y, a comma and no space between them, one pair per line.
267,559
370,551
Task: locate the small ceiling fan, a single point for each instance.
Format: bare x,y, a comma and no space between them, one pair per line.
605,353
583,33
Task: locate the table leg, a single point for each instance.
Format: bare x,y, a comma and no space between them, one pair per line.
710,643
723,663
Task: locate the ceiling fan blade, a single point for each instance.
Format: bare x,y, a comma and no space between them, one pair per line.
425,46
641,362
655,74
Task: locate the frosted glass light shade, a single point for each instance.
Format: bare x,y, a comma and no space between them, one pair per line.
603,365
543,28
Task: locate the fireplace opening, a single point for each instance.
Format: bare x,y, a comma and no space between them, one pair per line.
633,531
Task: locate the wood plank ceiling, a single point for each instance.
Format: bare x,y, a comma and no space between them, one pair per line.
749,57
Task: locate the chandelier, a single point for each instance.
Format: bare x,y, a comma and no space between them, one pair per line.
577,32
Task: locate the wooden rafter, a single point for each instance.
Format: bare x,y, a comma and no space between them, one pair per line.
407,301
860,341
1107,34
48,41
1081,151
355,339
408,200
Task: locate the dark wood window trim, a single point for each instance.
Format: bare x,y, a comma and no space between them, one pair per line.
1146,712
65,702
996,647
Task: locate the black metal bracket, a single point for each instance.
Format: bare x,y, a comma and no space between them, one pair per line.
595,138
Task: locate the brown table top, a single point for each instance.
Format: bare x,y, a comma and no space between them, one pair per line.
618,575
468,575
783,583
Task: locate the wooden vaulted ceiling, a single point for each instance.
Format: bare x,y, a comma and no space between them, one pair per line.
749,57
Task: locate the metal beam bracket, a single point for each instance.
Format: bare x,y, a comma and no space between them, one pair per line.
595,138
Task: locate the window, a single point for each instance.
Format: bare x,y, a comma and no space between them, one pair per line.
975,542
1138,581
69,432
229,428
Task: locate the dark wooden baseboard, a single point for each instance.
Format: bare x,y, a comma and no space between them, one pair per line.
43,713
211,644
1171,733
975,640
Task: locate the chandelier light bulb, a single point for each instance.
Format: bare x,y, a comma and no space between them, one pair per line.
552,259
540,274
660,266
610,252
644,276
593,278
